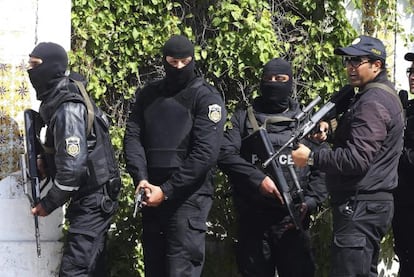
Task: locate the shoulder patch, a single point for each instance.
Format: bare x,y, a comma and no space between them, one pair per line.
73,146
214,113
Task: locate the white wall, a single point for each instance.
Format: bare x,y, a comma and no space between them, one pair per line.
23,24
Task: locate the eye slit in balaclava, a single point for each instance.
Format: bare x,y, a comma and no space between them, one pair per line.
179,47
275,95
53,66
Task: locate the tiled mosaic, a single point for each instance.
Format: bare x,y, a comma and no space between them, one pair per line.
14,98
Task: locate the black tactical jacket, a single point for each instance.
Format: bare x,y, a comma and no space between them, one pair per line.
66,144
80,157
367,145
174,140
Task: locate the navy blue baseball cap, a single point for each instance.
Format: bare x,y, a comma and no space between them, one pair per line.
409,57
364,46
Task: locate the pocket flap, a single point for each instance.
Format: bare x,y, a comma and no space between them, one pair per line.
376,208
348,241
197,224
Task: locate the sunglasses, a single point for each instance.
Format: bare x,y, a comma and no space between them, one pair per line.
410,71
354,61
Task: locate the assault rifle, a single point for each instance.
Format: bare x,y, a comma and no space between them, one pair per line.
260,146
306,123
30,174
304,128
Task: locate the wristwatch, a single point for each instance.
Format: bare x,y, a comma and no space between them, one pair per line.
310,159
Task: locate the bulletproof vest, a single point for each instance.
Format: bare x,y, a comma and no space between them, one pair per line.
102,165
279,129
168,121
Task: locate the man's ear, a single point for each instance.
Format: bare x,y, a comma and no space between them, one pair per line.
377,65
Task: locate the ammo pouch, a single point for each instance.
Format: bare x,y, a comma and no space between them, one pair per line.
102,166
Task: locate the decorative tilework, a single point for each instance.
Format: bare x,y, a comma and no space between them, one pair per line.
14,98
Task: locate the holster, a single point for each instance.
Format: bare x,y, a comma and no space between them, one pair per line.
113,187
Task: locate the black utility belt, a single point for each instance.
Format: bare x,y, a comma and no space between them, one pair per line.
364,195
373,195
87,191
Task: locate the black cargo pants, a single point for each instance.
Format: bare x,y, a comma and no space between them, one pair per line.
84,250
174,237
358,227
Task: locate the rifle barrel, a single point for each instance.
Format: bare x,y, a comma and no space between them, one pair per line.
37,235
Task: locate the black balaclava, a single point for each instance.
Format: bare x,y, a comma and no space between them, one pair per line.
55,61
275,95
179,47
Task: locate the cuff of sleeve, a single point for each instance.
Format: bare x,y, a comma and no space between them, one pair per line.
54,199
256,179
138,178
48,205
168,190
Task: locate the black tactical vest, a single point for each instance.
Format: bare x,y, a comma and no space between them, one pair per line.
167,126
102,165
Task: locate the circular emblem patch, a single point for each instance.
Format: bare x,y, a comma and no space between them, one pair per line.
214,113
73,146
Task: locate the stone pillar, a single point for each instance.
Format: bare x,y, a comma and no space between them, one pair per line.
23,24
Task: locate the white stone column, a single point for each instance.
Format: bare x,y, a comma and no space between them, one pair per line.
18,252
23,24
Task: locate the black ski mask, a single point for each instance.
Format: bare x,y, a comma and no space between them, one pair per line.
276,94
54,63
178,47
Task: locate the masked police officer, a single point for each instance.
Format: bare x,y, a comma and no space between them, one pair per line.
172,141
266,237
79,158
403,238
361,168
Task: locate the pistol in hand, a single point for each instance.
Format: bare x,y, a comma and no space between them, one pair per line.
139,198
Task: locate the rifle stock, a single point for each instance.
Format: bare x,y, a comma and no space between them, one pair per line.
30,175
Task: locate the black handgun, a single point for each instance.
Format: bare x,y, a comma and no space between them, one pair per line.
139,198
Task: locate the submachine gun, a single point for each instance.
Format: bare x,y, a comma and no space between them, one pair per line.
30,174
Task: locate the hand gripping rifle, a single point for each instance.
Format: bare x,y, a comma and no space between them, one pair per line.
30,174
307,124
258,144
304,128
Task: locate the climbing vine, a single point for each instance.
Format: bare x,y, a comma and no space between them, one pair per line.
116,44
